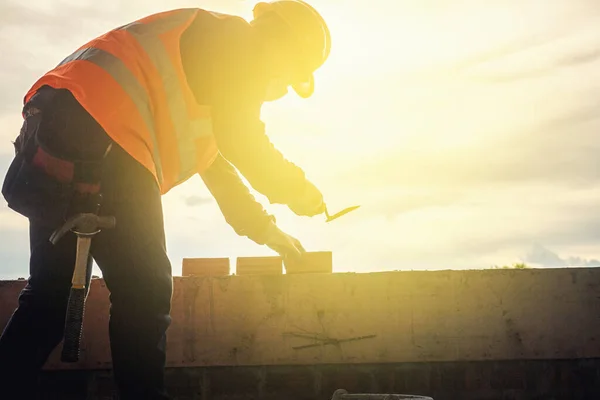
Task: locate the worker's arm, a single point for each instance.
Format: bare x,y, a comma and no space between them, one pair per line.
243,213
241,138
239,207
224,69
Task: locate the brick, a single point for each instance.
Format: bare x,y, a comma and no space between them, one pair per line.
259,266
312,262
205,267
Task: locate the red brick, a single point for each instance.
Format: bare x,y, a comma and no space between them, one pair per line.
205,267
312,262
259,266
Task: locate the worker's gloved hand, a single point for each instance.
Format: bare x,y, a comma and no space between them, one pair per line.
310,203
287,246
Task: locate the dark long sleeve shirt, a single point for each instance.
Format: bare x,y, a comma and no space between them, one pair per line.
224,68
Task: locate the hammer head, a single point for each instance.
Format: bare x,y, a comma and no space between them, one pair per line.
83,224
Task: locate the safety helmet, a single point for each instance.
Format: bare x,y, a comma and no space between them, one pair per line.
312,33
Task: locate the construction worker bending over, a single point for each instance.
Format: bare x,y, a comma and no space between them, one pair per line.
121,121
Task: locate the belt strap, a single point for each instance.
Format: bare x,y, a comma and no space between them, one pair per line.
84,175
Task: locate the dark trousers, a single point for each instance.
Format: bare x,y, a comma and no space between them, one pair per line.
134,264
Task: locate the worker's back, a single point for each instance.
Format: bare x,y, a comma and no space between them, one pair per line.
133,81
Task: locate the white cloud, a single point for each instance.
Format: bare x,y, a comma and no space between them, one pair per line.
540,256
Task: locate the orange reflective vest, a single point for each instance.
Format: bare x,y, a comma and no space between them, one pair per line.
131,81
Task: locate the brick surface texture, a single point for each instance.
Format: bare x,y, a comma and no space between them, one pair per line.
312,262
259,266
205,267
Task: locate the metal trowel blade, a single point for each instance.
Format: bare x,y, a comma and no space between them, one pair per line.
341,213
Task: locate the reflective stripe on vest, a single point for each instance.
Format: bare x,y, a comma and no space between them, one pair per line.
187,131
120,73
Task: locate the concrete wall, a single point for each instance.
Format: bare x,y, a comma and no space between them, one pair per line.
458,380
376,318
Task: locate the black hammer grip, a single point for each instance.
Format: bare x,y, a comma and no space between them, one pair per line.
73,326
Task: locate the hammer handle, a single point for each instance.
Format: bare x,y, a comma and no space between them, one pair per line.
81,262
73,326
76,306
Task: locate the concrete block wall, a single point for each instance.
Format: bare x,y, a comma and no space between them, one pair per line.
307,319
512,332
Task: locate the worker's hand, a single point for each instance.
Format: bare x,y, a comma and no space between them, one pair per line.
287,246
310,203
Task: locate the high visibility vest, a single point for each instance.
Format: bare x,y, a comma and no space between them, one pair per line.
132,82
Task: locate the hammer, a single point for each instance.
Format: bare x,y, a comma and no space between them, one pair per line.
85,226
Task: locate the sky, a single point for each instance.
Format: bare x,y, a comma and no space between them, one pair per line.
467,131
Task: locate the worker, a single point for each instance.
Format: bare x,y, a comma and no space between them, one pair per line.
121,121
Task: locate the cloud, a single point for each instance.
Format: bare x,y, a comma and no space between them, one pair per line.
563,151
583,57
573,60
577,55
196,200
543,257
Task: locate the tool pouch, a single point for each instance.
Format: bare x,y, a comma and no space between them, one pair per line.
42,186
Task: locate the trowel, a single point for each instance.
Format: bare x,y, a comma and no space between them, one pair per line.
339,214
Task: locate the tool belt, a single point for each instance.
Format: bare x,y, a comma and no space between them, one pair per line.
45,187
